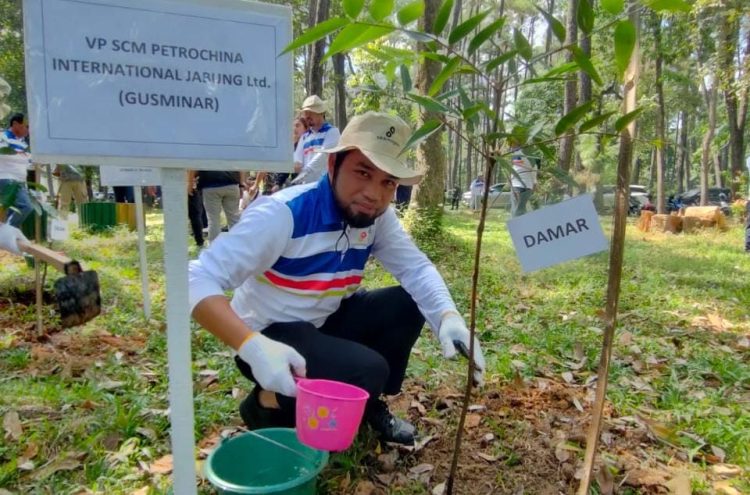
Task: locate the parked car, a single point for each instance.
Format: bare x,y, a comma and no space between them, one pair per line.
717,196
638,196
499,196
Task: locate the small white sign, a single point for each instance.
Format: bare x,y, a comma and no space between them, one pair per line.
129,176
554,234
159,82
59,230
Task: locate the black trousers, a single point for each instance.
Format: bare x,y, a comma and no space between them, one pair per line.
196,214
366,342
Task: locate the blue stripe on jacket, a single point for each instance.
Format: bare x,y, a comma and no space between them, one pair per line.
315,211
329,262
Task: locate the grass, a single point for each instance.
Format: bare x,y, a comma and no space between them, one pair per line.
95,413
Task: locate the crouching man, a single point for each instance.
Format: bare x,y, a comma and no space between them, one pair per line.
296,260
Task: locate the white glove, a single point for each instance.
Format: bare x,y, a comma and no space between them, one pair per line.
453,329
272,363
10,237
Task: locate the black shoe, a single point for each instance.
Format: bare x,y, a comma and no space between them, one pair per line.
256,416
390,428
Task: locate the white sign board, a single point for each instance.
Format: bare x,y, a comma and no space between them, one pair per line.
554,234
160,83
129,176
59,230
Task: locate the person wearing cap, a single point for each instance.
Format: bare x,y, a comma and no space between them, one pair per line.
296,261
309,162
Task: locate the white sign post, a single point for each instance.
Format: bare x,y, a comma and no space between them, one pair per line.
557,233
168,84
135,177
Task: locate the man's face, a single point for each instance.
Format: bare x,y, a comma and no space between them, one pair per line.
362,191
20,129
314,120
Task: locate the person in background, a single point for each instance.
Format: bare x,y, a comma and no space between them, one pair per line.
455,198
195,210
522,180
477,189
221,192
15,160
72,186
279,179
296,261
124,194
403,196
309,162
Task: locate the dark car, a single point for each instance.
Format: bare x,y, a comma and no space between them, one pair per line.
717,196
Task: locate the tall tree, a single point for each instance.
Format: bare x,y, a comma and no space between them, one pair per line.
661,141
709,94
319,10
339,92
565,153
430,152
735,80
11,54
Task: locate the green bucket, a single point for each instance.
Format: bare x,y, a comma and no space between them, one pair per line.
97,216
250,464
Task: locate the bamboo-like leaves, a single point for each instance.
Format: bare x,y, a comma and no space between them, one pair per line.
614,7
316,32
569,120
668,5
466,27
595,122
485,34
426,130
441,20
585,64
522,45
410,12
430,104
352,8
585,16
624,43
557,28
623,121
498,61
380,9
405,78
444,75
355,35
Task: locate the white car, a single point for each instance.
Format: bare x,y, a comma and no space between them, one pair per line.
499,196
638,194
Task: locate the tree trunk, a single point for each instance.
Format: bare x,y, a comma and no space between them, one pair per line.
430,153
339,71
660,118
314,72
684,181
709,95
548,40
735,98
566,143
718,182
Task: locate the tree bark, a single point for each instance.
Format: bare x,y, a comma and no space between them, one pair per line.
339,71
709,95
314,72
430,152
660,117
571,37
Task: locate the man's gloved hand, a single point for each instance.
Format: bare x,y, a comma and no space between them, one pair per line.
272,363
9,238
453,336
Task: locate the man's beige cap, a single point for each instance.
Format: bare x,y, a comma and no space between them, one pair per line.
314,104
381,138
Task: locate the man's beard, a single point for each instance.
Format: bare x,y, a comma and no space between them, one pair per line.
356,220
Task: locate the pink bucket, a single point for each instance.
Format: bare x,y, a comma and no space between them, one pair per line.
328,413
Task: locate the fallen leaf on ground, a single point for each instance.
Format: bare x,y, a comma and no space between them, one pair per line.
726,488
568,377
605,480
422,468
439,489
726,470
161,466
60,464
364,487
141,491
12,425
680,485
487,457
472,420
